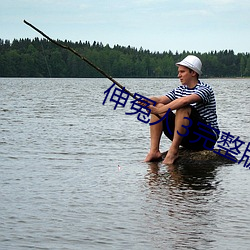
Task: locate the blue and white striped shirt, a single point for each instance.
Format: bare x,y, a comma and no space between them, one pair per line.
206,108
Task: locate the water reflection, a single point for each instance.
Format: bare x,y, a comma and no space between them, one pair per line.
183,195
183,176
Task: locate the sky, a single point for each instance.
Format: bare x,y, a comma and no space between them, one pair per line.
155,25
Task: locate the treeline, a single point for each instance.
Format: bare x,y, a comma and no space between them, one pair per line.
41,58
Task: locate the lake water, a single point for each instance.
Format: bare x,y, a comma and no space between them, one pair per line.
72,174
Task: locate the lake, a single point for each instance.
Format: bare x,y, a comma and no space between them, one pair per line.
72,174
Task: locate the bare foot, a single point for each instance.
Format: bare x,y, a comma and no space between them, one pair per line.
170,157
153,156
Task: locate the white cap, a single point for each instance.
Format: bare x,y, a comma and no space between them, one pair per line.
191,62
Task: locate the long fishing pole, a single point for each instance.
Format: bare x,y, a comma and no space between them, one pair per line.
82,57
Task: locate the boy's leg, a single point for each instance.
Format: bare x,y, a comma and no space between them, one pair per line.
173,151
155,137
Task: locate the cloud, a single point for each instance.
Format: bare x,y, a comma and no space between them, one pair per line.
83,6
149,2
152,24
225,5
222,2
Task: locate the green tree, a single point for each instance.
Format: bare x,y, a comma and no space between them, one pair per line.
41,58
247,69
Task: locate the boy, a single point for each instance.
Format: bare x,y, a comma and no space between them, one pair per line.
195,107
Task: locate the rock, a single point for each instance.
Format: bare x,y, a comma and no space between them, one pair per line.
204,157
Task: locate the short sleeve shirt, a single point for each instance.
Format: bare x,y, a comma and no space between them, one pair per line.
206,108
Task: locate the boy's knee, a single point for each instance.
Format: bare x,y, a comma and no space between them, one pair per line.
158,105
184,110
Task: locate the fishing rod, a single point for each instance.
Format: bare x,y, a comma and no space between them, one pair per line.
82,57
87,61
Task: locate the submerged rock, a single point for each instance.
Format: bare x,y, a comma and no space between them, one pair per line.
216,156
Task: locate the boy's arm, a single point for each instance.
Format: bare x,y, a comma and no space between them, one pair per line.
176,104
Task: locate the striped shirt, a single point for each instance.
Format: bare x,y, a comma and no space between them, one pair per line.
206,108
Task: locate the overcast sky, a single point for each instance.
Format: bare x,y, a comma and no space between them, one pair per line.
157,25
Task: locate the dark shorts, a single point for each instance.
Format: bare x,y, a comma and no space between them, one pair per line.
198,136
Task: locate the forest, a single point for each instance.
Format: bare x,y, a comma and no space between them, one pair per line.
41,58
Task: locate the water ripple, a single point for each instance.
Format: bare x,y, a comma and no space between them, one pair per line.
72,175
